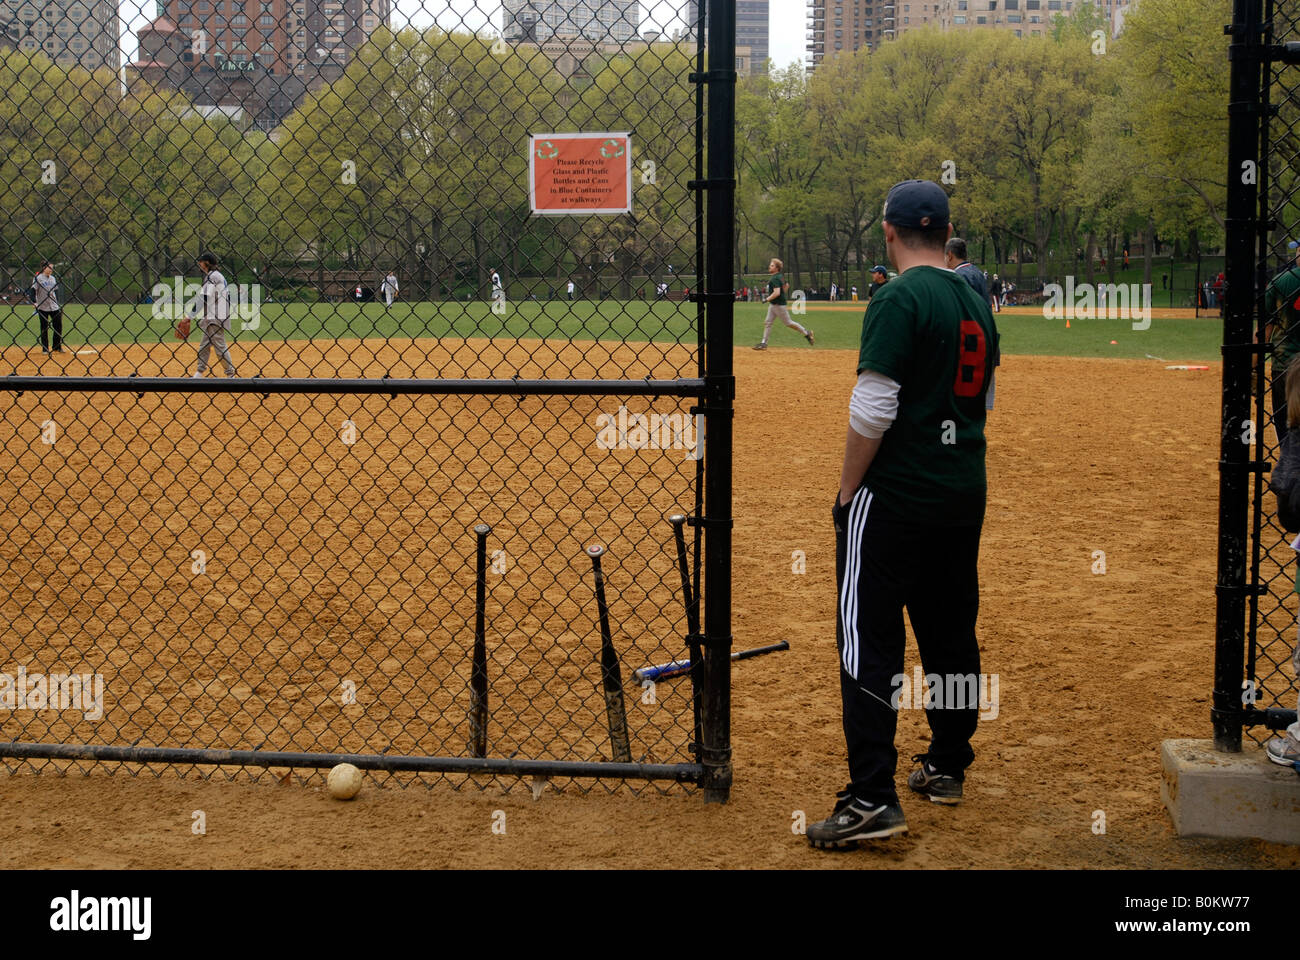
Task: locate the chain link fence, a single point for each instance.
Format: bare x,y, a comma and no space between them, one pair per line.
437,251
1272,631
1255,686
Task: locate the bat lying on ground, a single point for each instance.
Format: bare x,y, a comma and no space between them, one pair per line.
665,671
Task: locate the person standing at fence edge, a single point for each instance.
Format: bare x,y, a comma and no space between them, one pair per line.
1284,750
389,288
776,309
954,254
908,518
45,293
214,307
1282,299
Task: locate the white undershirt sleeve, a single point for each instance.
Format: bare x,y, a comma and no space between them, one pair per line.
874,404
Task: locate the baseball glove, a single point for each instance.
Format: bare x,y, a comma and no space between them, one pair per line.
183,329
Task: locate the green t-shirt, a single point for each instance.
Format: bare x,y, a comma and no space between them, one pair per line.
929,331
1285,317
777,283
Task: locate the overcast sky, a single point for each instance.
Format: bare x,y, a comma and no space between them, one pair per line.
785,20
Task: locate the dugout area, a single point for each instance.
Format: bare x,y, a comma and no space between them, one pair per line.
282,569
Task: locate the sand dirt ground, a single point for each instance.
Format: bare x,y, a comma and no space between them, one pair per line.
1094,671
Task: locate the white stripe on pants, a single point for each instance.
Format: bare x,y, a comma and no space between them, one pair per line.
853,527
776,310
214,335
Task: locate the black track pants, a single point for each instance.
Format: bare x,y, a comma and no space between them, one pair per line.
884,563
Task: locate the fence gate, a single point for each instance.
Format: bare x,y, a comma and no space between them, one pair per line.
1255,686
477,354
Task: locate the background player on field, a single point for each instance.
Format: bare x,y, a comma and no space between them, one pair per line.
879,277
775,299
954,254
498,289
214,307
45,296
389,288
908,517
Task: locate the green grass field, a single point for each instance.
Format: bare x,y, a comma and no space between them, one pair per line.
1178,339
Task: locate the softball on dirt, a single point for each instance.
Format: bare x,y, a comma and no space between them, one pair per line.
344,782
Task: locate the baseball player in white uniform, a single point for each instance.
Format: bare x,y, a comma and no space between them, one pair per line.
214,305
389,287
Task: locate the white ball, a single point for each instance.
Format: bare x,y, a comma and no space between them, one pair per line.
344,782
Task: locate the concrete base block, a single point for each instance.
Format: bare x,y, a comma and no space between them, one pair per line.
1212,794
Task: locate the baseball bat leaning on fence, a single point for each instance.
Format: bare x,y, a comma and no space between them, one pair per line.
611,674
665,671
696,663
478,683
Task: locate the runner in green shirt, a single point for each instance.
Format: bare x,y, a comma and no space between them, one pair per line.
775,300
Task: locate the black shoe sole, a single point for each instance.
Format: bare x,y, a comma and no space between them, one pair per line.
848,843
934,798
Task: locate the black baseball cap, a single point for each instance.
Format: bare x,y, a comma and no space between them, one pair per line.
208,257
917,205
879,269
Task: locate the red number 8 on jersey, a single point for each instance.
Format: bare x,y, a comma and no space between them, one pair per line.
970,360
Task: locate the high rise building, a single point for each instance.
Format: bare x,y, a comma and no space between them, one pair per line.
260,56
79,33
600,21
752,31
838,25
1026,18
1022,17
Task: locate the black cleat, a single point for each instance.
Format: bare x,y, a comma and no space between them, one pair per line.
939,787
760,346
854,821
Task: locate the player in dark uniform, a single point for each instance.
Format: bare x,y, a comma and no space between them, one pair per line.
908,517
879,277
954,255
1283,331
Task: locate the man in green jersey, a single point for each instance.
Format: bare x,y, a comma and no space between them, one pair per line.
907,521
1283,331
775,299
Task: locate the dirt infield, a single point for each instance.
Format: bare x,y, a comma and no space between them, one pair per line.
1095,670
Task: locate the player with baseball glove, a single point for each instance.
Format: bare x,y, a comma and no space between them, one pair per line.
214,319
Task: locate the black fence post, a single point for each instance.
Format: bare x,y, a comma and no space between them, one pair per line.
1246,56
720,389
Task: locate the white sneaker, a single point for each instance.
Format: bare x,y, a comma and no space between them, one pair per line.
196,374
1283,750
